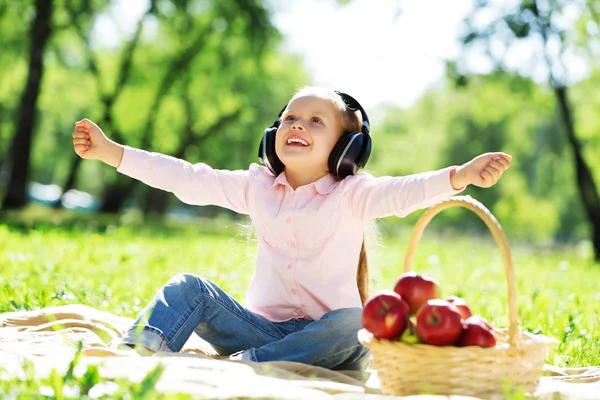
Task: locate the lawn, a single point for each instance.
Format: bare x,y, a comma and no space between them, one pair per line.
117,267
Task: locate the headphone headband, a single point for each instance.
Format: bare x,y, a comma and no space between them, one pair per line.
354,105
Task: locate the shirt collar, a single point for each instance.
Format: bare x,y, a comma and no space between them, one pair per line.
323,186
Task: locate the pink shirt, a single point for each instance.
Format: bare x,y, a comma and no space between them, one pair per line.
309,239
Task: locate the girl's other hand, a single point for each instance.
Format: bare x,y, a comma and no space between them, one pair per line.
483,171
88,140
91,143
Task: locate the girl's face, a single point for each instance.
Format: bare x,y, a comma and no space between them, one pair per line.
310,127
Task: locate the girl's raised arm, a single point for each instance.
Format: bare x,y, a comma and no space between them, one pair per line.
372,197
197,184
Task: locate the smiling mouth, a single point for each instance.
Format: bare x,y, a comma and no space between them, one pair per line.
295,141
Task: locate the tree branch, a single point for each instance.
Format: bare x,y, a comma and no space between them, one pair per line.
176,68
125,63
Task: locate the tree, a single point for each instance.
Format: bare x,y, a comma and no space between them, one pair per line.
227,29
156,201
19,167
537,20
81,15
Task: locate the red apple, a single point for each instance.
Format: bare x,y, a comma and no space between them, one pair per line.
385,315
416,289
475,333
439,323
462,306
480,320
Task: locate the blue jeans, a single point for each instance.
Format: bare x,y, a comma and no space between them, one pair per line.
189,303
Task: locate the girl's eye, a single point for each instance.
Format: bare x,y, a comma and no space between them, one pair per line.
290,118
317,120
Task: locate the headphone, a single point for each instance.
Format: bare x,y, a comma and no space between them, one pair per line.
350,153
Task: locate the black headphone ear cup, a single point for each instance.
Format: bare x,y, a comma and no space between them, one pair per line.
267,154
345,154
337,152
365,152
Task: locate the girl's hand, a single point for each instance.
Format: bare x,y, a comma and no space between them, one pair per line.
88,139
91,143
483,171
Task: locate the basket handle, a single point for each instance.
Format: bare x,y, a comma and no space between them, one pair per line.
498,234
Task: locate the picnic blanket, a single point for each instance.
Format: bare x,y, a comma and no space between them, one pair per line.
49,337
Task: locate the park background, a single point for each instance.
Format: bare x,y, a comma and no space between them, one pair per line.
201,79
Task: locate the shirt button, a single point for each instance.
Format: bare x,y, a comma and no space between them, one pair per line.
294,291
288,220
290,266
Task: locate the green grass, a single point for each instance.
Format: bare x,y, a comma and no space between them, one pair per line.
117,266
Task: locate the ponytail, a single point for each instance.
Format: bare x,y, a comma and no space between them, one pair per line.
362,275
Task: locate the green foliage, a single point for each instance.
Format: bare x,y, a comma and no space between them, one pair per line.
224,54
537,198
240,69
532,128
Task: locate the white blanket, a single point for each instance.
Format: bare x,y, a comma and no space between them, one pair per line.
49,338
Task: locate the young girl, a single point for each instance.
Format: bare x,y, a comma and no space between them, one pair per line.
309,208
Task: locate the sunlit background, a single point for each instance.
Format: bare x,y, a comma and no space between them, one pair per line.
385,51
442,81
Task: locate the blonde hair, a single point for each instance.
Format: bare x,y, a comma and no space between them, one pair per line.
351,121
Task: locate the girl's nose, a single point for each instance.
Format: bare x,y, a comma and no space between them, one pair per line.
297,125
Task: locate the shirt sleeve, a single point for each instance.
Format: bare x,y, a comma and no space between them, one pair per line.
196,184
371,197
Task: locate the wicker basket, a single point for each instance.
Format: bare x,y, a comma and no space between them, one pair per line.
514,364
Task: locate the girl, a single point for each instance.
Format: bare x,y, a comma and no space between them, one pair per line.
309,208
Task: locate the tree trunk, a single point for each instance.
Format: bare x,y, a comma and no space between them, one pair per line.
588,191
124,72
178,67
156,202
112,198
16,191
71,178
